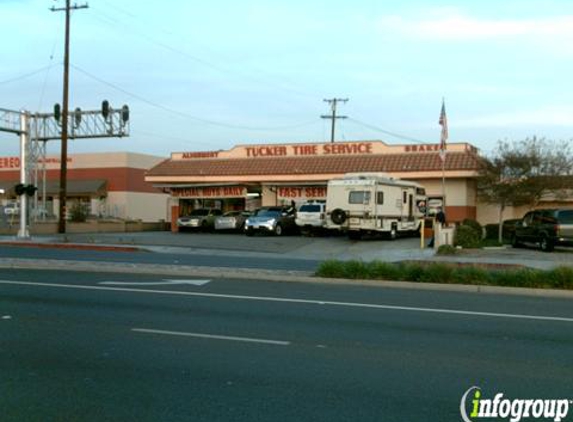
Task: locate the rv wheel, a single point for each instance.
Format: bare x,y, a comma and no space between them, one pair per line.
338,216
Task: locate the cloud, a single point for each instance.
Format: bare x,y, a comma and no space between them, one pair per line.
548,116
455,26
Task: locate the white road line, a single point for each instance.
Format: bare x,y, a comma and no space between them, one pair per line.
212,336
164,282
300,301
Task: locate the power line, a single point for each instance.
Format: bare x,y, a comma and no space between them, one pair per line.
189,116
394,134
104,17
26,75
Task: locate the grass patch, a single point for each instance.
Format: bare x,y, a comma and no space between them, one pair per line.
558,278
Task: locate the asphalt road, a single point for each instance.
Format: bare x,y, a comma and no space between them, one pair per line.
117,347
219,259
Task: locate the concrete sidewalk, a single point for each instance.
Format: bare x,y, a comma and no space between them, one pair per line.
293,247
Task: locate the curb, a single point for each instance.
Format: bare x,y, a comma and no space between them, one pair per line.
268,275
75,246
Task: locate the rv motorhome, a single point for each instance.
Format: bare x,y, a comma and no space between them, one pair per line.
362,203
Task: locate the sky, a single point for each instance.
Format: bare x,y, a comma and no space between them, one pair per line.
211,75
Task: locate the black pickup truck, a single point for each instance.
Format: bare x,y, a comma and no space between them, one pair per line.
545,228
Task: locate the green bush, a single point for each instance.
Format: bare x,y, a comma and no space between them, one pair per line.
491,231
78,213
384,271
411,271
437,273
332,269
472,275
474,225
467,237
357,269
560,278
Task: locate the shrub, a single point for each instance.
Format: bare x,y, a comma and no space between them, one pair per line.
467,237
472,275
78,213
560,278
356,269
491,231
411,271
438,273
331,268
474,225
384,271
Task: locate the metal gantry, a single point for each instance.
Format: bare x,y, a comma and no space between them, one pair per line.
36,129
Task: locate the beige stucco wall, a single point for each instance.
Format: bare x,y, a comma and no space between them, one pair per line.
269,196
458,191
148,207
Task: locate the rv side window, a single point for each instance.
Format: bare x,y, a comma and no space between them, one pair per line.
405,197
359,197
420,191
380,198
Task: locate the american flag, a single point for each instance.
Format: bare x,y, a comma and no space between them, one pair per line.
444,137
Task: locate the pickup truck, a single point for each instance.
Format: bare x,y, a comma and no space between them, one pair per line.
545,228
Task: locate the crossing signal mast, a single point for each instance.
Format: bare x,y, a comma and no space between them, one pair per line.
36,129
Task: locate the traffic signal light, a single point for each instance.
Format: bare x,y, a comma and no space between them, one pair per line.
31,190
125,113
77,116
105,109
57,112
20,189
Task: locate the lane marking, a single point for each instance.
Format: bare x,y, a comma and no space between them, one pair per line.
299,301
155,283
212,336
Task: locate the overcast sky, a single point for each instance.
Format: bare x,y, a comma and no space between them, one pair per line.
203,75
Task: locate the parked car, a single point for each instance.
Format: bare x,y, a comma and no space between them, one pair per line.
12,208
545,228
232,220
311,217
277,220
200,219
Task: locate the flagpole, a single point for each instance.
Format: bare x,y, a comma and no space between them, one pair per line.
443,140
444,183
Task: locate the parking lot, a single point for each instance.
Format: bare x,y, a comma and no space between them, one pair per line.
315,248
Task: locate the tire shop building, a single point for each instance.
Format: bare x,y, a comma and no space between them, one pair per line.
108,185
250,176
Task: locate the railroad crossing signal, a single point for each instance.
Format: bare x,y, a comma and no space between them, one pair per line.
38,128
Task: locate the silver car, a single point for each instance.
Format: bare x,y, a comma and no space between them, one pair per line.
199,219
277,220
232,220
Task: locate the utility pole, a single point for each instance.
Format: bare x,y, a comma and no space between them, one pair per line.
64,155
333,116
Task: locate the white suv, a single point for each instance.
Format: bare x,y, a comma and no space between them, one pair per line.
311,217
